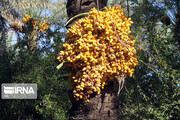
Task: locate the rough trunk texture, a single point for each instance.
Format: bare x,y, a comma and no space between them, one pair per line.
105,105
75,7
101,107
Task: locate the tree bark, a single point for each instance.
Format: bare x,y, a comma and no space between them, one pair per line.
75,7
101,107
105,105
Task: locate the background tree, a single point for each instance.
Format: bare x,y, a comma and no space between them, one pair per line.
153,92
3,34
21,65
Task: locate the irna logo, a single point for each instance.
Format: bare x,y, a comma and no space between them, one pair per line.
18,91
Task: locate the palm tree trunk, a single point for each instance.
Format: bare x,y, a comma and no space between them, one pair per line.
101,107
105,105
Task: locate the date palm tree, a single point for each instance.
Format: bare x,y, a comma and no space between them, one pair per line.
7,13
12,12
105,105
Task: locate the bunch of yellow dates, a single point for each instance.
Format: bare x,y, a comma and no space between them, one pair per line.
98,48
27,19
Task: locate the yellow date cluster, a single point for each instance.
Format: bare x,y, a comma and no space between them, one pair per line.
30,21
98,48
43,26
27,19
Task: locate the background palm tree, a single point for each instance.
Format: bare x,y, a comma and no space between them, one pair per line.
12,12
7,14
3,35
